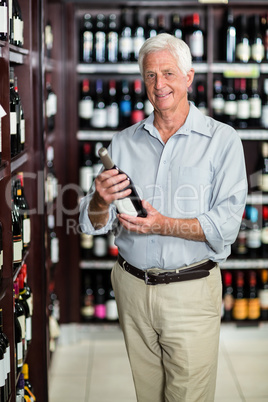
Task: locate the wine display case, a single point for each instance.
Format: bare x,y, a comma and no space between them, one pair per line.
212,67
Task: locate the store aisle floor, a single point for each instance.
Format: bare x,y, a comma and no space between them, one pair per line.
90,365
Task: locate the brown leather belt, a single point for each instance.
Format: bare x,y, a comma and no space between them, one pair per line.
186,274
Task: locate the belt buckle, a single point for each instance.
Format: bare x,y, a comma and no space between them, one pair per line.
147,279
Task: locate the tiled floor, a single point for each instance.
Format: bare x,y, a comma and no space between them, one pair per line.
91,365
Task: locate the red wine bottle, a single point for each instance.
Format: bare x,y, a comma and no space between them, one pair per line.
131,204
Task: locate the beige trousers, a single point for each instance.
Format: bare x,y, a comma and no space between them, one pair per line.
171,334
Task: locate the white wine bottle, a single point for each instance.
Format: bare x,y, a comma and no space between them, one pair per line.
131,204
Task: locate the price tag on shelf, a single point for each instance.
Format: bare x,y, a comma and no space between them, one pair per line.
242,71
2,112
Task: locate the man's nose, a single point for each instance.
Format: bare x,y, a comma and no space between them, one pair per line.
159,81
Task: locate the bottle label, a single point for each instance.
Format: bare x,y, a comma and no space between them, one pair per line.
54,251
263,182
51,105
22,131
243,109
111,310
85,109
228,302
125,45
218,105
243,51
28,334
125,108
100,46
254,238
148,107
87,45
17,249
99,118
137,116
86,177
87,311
100,311
2,368
86,241
257,51
230,108
137,44
100,246
113,115
3,19
26,231
19,354
125,206
264,235
22,322
263,296
112,47
254,309
264,116
13,123
255,108
16,30
196,44
240,310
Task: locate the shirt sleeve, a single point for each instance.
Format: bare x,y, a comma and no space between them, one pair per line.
229,193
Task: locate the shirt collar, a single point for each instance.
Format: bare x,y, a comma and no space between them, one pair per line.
196,122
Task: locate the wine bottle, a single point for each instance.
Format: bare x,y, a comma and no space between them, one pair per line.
240,308
228,35
125,38
51,183
85,105
18,338
161,24
218,100
51,104
262,168
3,20
18,111
23,208
137,110
112,107
110,305
264,232
53,240
100,298
256,40
86,168
264,108
243,105
86,40
20,389
242,42
176,27
28,312
131,204
201,101
100,246
99,117
125,104
151,29
194,37
18,39
230,105
255,104
100,39
21,315
263,294
28,388
17,236
87,299
138,36
86,246
26,294
112,39
112,248
254,310
264,30
5,341
253,232
13,115
228,296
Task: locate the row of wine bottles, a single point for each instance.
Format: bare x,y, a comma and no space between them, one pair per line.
245,295
97,297
112,104
240,102
10,11
107,38
5,366
101,246
21,225
17,121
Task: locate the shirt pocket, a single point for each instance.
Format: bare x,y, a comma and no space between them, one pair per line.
192,192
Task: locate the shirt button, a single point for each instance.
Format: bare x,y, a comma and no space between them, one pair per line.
164,162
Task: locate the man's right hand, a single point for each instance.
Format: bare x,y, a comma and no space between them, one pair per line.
109,186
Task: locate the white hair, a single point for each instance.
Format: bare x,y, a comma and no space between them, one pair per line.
177,47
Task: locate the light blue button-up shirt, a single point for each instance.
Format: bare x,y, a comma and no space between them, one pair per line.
199,173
